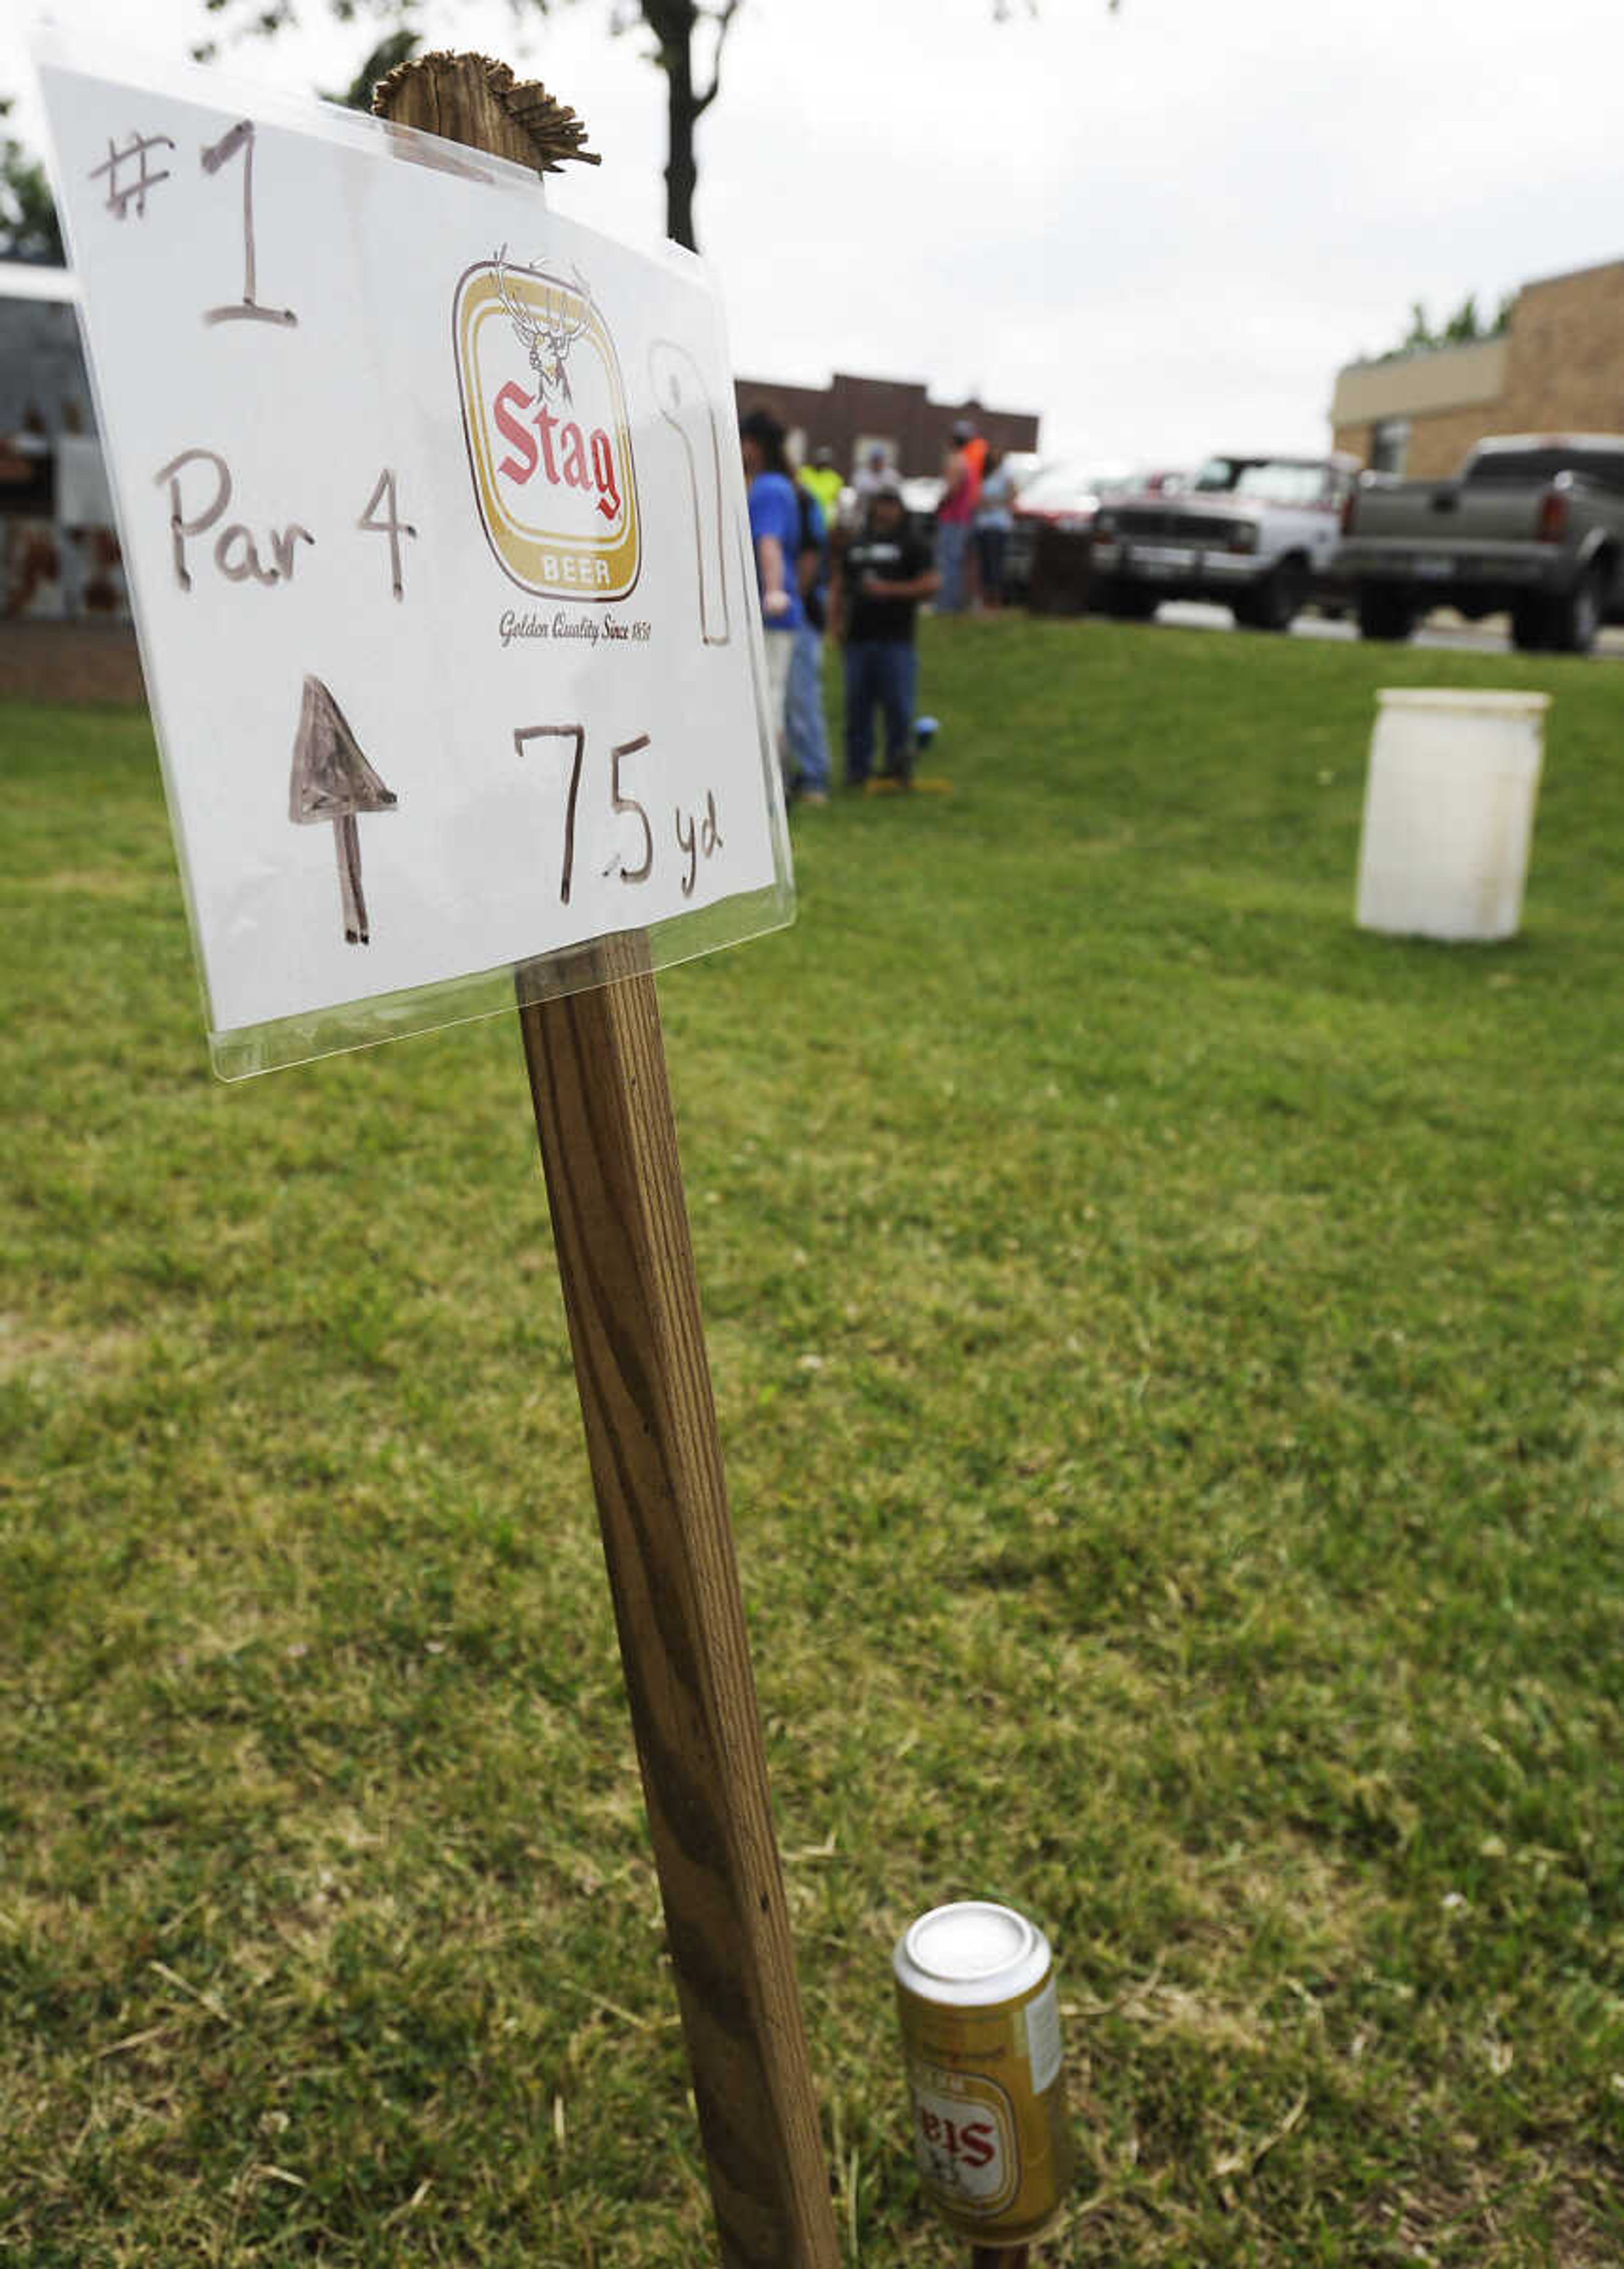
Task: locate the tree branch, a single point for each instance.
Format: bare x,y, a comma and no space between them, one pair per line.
722,20
672,23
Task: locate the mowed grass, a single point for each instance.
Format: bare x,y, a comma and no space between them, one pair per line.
1168,1351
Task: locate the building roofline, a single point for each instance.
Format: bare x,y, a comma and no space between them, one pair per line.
1568,274
1449,347
917,389
1445,347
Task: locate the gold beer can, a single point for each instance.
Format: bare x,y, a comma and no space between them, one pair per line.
981,2032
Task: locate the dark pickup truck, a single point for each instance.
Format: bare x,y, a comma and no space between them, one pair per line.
1532,525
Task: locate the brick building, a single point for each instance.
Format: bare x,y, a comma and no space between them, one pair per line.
1558,368
850,414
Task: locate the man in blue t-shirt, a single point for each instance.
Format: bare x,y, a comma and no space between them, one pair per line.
775,537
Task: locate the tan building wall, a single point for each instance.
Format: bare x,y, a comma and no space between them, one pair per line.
1559,369
1436,444
1565,368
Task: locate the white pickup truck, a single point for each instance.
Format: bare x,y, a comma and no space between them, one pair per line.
1258,535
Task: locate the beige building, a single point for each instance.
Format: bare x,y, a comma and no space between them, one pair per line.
1558,368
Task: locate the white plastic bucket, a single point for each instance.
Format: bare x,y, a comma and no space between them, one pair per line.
1449,811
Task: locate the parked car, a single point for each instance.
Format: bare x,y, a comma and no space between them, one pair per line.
1258,534
1160,481
1058,500
1532,524
1022,464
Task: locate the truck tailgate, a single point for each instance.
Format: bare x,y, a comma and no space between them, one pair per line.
1448,515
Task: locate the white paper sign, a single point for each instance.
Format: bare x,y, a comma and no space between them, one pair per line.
433,514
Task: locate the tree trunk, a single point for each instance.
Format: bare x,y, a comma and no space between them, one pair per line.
681,112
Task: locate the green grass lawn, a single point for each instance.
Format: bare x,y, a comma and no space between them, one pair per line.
1169,1348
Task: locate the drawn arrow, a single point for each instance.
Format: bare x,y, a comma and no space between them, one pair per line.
332,781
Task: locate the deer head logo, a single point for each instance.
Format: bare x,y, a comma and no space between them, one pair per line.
548,331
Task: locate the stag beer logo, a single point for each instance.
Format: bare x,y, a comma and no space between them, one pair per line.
544,414
964,2140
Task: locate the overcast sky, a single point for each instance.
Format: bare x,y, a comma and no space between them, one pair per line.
1163,230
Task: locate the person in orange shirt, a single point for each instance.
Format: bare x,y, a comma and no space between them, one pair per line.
976,450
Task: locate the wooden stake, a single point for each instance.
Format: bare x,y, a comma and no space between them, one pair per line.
603,1116
1001,2256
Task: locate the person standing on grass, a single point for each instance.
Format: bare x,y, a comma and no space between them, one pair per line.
775,538
803,715
870,476
875,593
961,494
825,484
994,520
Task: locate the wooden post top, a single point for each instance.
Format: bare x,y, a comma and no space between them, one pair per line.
476,101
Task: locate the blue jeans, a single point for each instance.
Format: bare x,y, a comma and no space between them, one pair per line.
883,671
803,715
992,543
952,542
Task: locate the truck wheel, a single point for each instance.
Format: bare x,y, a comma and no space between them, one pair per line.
1576,616
1530,626
1278,598
1129,602
1384,614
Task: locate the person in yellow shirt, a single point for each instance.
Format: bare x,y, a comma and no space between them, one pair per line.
820,480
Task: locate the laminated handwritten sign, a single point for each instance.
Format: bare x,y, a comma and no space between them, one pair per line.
433,516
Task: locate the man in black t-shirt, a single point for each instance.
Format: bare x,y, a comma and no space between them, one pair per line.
874,596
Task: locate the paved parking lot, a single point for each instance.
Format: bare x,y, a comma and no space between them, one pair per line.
1443,629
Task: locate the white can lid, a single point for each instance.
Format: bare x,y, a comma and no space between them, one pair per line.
972,1951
